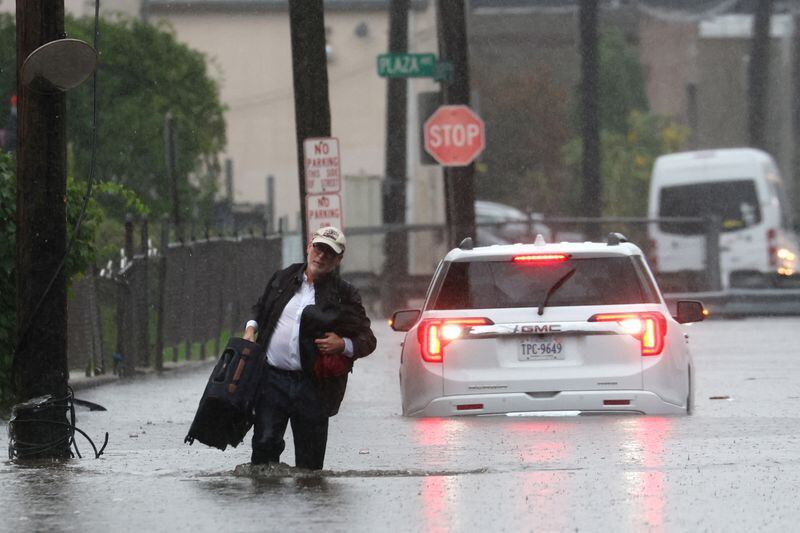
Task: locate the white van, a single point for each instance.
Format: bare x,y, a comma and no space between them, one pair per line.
741,186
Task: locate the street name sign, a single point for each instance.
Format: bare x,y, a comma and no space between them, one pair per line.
322,165
407,65
454,135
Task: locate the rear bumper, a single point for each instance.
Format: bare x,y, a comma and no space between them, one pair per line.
642,402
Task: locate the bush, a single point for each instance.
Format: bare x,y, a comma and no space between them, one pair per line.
627,160
93,234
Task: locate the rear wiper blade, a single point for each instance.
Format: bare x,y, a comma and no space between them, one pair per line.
553,288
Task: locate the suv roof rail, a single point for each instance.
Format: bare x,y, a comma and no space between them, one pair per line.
615,238
466,244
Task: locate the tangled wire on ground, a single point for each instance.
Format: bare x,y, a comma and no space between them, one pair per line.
25,413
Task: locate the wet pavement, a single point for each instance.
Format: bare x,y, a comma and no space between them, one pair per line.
734,465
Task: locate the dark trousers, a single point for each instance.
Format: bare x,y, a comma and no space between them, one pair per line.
289,396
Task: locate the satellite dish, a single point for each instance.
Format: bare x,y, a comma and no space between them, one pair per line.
59,65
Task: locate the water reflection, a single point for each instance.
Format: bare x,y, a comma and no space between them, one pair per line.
543,443
441,440
645,449
434,502
434,431
44,493
545,492
536,451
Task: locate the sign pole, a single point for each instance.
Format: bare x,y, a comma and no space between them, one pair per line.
459,181
395,243
310,71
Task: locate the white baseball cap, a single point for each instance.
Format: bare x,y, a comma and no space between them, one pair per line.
330,236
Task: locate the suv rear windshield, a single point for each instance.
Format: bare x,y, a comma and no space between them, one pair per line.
499,284
735,202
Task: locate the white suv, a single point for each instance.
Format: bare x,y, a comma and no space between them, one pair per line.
579,327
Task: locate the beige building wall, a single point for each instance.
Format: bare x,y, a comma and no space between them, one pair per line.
80,8
669,56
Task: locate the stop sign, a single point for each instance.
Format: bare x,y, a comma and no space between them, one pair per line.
454,135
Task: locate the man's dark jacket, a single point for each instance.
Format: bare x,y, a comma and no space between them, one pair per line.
332,293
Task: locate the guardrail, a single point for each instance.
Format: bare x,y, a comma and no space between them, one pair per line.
396,284
743,302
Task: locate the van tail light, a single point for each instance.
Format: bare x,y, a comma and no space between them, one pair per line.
436,333
772,248
650,328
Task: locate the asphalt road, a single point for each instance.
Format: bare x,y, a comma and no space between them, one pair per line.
732,466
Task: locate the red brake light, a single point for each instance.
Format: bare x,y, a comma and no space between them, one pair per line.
772,249
435,333
650,328
540,259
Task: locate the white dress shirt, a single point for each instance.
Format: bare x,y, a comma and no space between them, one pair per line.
284,346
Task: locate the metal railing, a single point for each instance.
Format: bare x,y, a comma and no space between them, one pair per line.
178,304
181,301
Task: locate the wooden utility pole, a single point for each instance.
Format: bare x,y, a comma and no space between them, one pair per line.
40,362
459,182
758,75
394,191
310,71
592,197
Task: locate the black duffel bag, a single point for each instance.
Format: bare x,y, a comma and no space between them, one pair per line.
225,413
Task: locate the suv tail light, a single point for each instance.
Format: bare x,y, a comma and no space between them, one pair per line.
435,333
650,328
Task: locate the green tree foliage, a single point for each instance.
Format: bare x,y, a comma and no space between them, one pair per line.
627,160
8,66
622,86
144,73
81,255
110,232
630,138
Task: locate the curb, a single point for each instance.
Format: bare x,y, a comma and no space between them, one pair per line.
79,381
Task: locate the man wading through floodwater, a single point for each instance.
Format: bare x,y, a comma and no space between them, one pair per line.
313,326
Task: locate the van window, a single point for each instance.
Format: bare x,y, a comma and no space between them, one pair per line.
503,284
735,202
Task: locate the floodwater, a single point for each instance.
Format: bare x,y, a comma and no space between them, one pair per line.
734,465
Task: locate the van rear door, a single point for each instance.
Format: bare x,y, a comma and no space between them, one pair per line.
735,203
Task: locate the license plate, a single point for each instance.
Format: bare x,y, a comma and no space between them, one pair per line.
540,349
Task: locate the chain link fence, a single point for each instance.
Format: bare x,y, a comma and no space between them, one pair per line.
180,303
